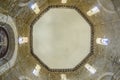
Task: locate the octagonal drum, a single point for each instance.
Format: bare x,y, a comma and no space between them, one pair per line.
61,38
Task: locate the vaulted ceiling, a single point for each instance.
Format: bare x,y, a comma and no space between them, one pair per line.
105,23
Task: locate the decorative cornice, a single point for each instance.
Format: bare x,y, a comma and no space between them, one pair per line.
92,38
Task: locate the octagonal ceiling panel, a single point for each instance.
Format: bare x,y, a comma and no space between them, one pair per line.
61,38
